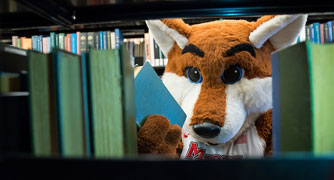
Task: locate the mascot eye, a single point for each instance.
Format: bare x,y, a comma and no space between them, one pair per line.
232,74
194,75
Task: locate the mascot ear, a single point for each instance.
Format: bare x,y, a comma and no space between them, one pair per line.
280,30
168,32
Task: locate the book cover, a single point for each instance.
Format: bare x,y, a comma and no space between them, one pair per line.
302,99
70,112
42,104
26,43
152,97
129,106
106,103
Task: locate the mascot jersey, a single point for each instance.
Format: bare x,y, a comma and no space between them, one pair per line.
249,144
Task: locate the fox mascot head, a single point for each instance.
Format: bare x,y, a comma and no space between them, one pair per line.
220,74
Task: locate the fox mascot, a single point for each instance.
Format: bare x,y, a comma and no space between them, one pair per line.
220,74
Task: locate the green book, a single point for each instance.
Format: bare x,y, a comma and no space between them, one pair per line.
42,109
70,108
129,107
106,103
53,37
303,99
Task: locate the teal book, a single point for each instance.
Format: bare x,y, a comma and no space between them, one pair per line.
74,43
106,107
70,109
152,97
317,37
42,104
303,99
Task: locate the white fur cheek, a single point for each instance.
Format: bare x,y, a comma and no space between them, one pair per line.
235,113
257,94
185,93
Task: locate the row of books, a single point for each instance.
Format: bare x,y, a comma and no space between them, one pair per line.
77,106
140,49
320,33
303,99
76,43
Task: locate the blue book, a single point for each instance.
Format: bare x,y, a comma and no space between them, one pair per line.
330,31
118,38
312,33
152,97
101,40
317,37
48,44
34,43
40,43
105,40
74,43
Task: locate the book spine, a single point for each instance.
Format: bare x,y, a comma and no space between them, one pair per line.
90,40
105,40
48,45
58,41
61,38
34,43
156,54
44,49
308,33
117,38
101,40
113,40
40,43
14,41
317,38
332,22
96,40
78,42
322,38
83,42
18,42
152,61
68,42
108,40
74,43
53,40
326,35
330,31
312,33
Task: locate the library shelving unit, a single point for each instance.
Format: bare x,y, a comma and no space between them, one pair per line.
29,17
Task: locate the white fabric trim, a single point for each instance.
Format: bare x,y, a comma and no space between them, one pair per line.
281,30
165,36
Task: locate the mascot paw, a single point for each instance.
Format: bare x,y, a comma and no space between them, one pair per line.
158,136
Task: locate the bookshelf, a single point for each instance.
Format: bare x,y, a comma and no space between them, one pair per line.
41,17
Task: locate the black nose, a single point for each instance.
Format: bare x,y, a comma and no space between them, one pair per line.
207,130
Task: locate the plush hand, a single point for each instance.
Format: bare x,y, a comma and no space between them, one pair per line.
158,136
